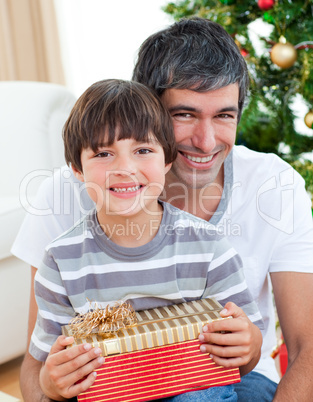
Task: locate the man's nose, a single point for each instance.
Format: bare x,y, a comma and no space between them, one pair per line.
203,136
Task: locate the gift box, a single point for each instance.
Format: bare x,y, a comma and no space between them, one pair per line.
158,357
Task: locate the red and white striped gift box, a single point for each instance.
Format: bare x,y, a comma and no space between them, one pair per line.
159,357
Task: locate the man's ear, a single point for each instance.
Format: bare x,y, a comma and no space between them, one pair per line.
78,174
168,167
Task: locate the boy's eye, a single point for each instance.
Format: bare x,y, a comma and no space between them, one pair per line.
102,155
144,151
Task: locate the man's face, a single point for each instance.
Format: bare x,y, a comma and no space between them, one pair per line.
205,126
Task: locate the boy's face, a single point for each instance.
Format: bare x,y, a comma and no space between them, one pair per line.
205,126
124,178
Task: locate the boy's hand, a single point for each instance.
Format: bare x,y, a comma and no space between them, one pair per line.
239,346
64,367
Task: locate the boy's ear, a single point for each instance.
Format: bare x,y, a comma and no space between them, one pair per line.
78,174
168,167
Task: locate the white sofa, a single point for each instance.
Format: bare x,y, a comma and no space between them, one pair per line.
32,115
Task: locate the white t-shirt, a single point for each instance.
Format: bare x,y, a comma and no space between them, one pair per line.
265,212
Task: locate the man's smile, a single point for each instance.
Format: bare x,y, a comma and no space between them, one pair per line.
198,159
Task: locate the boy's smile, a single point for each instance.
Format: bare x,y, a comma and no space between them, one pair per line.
125,178
126,190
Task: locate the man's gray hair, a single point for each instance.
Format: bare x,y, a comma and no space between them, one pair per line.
196,54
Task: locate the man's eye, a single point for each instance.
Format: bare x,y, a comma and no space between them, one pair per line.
182,115
226,116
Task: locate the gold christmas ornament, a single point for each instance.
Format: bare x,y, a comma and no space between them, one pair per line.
308,119
283,54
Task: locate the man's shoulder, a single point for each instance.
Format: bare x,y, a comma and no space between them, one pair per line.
254,167
63,174
60,190
249,156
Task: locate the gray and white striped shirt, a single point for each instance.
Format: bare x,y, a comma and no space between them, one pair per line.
186,260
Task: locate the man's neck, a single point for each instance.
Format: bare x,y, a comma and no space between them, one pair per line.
201,202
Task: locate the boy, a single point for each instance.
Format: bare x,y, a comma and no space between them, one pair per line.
119,140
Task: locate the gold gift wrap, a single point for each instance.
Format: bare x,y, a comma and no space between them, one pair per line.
156,327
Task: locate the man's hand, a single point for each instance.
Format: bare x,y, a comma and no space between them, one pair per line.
64,367
232,343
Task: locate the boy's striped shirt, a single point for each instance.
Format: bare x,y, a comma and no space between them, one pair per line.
186,260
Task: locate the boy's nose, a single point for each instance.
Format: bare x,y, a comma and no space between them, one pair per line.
203,136
125,166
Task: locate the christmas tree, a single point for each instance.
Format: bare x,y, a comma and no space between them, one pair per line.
276,39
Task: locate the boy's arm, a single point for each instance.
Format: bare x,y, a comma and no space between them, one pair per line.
63,368
239,344
51,381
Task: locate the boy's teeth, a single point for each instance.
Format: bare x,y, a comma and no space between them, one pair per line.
198,159
124,189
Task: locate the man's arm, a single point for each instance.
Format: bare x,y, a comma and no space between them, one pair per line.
294,302
62,369
30,369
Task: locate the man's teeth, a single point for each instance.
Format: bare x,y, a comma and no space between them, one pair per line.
198,159
125,189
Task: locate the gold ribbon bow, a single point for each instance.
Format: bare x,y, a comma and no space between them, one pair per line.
103,321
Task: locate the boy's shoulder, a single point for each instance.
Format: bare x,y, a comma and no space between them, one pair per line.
188,228
80,230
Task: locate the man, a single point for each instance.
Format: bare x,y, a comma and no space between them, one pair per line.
255,199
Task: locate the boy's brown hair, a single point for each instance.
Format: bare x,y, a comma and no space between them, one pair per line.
114,110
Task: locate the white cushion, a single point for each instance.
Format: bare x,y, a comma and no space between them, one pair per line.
32,115
31,122
11,217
